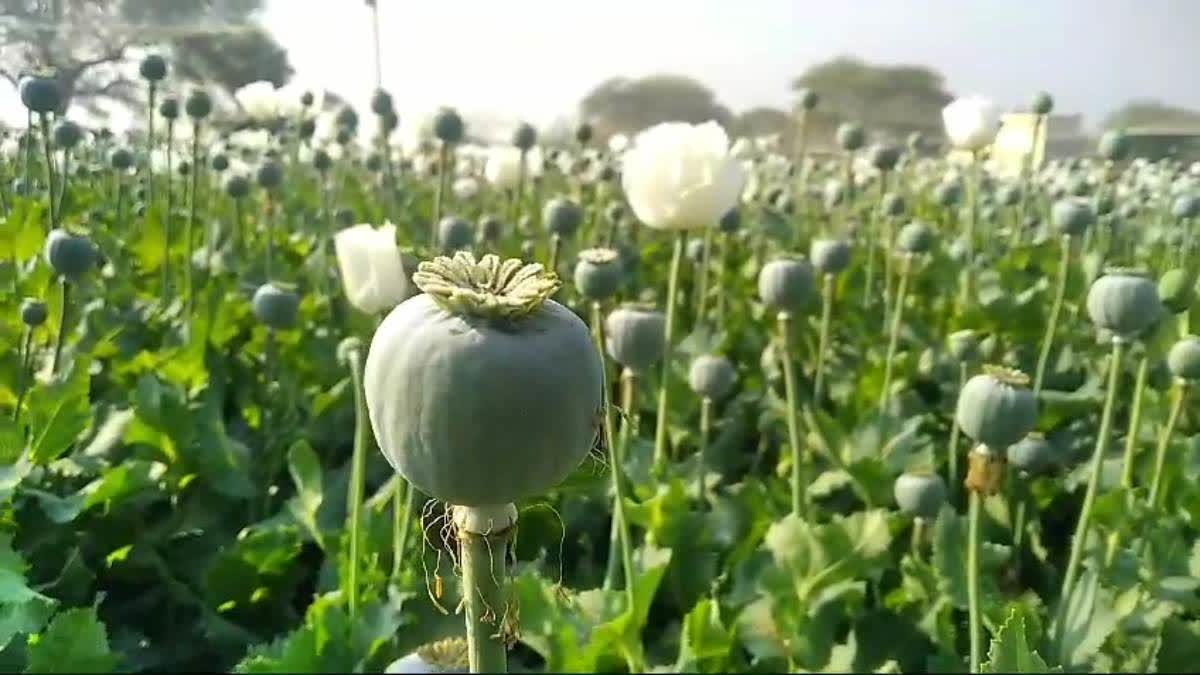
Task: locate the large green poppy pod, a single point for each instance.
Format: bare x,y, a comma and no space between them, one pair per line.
730,222
445,656
1105,203
807,98
153,68
1184,359
786,284
948,193
915,238
236,186
67,134
120,159
1113,145
634,336
321,160
562,217
269,175
1032,454
307,128
169,108
996,408
1042,103
1079,186
490,228
598,273
1177,290
448,127
711,376
920,493
524,136
381,103
482,390
964,345
41,94
198,104
829,256
884,157
850,136
347,120
1185,206
1123,301
275,307
583,133
1071,216
33,312
71,256
454,233
892,204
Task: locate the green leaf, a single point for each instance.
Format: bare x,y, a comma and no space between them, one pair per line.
705,642
121,482
74,642
1180,648
59,412
305,469
22,609
1010,651
949,555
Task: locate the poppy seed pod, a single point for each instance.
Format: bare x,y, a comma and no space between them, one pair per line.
67,134
920,494
1183,360
829,256
347,120
269,175
41,94
70,255
964,345
634,336
490,228
1177,290
1185,206
996,408
598,273
381,103
33,312
562,217
483,342
275,307
1113,145
1042,103
1032,454
712,377
583,133
448,127
153,68
914,238
454,233
850,136
121,159
1071,216
445,656
891,204
219,162
237,187
884,157
1123,301
169,108
524,136
786,284
807,98
321,160
948,193
730,222
198,104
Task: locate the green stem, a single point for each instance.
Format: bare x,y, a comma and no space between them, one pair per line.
1135,421
918,533
722,258
894,333
969,264
26,346
702,283
1064,270
1164,440
150,144
660,429
357,470
1085,513
166,218
402,509
45,122
518,192
555,250
270,235
188,233
65,179
438,196
789,385
952,456
827,290
974,617
60,337
702,450
619,532
483,559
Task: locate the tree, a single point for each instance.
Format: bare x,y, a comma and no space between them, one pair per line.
764,121
1152,113
630,105
86,44
890,99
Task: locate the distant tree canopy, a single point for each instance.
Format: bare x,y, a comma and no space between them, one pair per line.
630,105
763,121
1152,113
85,43
892,100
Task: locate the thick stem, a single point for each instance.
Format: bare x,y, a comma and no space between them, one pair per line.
60,337
189,229
722,258
952,455
49,156
483,548
1164,440
555,250
918,534
660,429
974,617
439,195
357,470
1135,422
789,387
968,270
894,333
702,450
151,112
619,532
65,179
702,281
518,192
166,217
270,235
402,510
1064,270
827,290
23,373
375,36
1085,512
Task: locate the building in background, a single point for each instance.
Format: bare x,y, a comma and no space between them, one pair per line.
1161,141
1060,136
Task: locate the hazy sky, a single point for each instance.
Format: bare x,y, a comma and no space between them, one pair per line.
535,59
